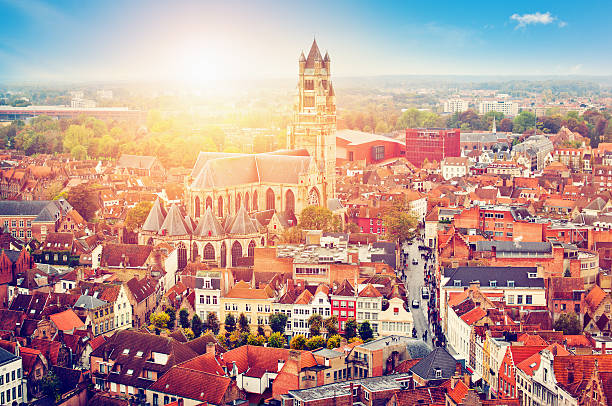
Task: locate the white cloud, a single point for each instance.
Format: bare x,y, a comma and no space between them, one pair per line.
524,20
562,24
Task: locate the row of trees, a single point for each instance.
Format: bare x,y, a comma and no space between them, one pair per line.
592,124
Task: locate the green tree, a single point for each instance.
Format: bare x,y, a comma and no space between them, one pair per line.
365,331
399,220
230,323
53,189
257,340
212,322
331,324
160,319
137,215
277,340
334,341
188,333
196,325
524,121
184,318
315,342
569,323
172,314
84,199
350,329
79,153
298,342
381,128
292,235
243,324
77,135
316,218
315,322
278,322
51,386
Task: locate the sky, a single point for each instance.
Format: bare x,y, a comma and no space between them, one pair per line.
206,41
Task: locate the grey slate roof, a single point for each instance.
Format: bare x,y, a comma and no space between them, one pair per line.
597,204
209,226
514,246
501,274
89,302
135,161
327,353
44,210
174,224
156,217
240,169
439,358
6,356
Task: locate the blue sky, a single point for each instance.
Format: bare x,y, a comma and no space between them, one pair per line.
204,40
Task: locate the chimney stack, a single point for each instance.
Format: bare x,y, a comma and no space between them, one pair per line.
210,348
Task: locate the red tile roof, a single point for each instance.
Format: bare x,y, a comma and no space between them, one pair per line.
192,384
473,316
66,320
206,363
458,393
369,291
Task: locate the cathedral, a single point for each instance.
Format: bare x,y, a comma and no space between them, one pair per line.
227,192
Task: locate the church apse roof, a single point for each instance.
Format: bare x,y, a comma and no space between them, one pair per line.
174,224
209,226
156,217
242,224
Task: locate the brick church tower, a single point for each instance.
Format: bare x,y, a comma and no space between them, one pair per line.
314,122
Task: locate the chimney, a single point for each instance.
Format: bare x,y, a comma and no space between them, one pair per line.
180,402
454,380
294,355
210,348
280,364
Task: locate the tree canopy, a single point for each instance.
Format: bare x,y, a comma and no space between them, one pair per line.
399,221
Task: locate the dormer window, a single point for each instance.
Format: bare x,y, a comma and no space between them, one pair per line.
493,284
139,354
438,373
532,275
457,283
510,284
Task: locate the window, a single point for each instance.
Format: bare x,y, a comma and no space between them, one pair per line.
510,284
493,284
155,399
510,299
528,299
247,307
457,283
366,395
519,299
309,101
378,153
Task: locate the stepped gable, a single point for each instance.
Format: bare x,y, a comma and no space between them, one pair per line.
242,224
209,226
174,224
156,217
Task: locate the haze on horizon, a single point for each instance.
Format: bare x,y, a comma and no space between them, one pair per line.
205,41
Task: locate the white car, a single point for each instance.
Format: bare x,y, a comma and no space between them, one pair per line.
415,261
416,303
424,293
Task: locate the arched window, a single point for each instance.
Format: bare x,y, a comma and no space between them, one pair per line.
209,202
263,242
270,200
150,241
251,250
196,205
236,253
289,201
223,255
313,197
182,255
209,252
255,205
247,204
238,199
229,205
220,207
194,251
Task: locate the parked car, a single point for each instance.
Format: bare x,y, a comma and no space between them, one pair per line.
416,303
415,261
424,293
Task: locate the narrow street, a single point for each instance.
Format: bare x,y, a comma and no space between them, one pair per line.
414,282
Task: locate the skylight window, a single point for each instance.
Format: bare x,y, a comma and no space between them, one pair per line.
130,372
126,351
139,354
